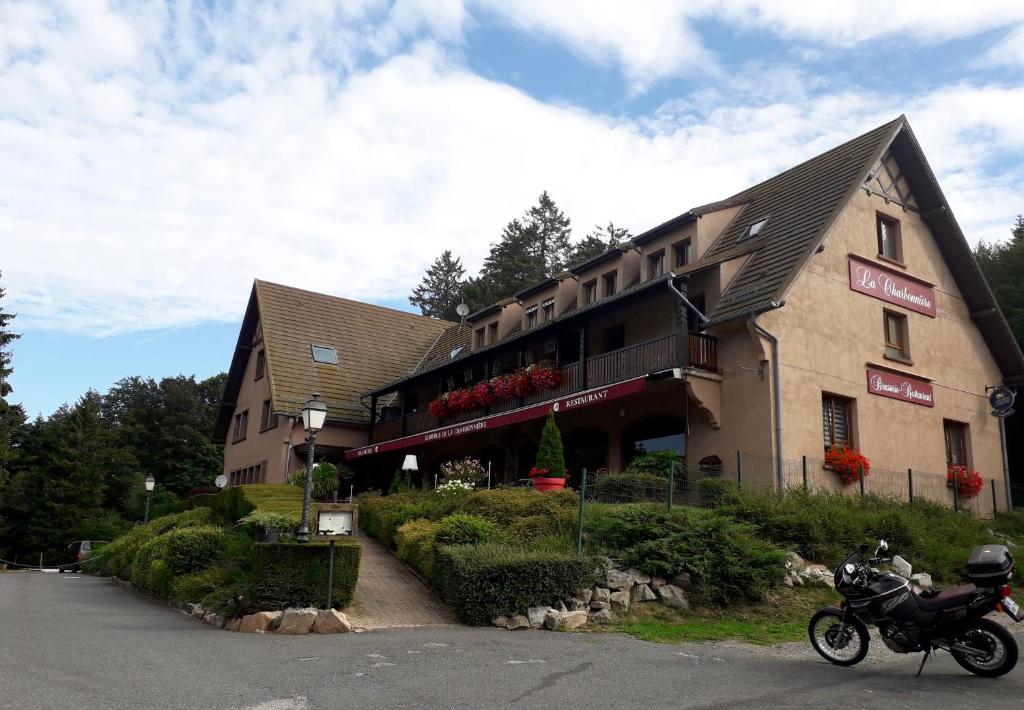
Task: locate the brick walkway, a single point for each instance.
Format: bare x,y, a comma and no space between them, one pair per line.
390,596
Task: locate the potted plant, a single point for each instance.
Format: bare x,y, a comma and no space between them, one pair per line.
268,526
549,473
967,482
848,462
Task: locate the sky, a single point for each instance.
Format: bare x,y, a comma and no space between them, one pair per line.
156,157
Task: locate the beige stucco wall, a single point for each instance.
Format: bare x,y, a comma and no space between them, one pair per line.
710,226
828,333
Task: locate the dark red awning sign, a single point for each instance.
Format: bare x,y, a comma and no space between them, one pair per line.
902,387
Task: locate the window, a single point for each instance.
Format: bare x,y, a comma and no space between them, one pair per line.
547,310
754,229
836,417
656,264
895,335
268,420
589,292
889,246
956,443
609,283
324,354
492,333
454,353
682,253
241,426
261,364
480,342
531,317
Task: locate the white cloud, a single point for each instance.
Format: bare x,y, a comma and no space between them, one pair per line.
147,187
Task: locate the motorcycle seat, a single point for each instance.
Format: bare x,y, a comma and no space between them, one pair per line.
947,598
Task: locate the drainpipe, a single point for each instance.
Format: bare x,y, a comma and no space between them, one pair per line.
685,301
683,330
777,399
289,447
1006,465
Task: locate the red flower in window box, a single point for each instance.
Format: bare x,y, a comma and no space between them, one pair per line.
519,384
848,463
544,376
967,482
483,395
439,407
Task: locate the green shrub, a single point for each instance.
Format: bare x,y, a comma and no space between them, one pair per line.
118,555
325,479
505,506
288,575
630,488
465,529
268,521
556,524
656,463
480,582
381,516
176,552
107,526
416,547
716,492
550,454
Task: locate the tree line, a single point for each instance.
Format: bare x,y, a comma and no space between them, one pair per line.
530,249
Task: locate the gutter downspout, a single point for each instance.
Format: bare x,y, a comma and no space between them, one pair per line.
289,447
1006,466
777,397
685,301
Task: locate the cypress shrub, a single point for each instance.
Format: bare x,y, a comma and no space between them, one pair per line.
289,575
550,454
480,582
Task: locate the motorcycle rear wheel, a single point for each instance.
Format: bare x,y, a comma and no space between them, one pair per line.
998,644
846,650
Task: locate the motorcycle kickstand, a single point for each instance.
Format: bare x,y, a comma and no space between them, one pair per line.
927,655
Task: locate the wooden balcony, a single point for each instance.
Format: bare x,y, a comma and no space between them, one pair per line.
598,370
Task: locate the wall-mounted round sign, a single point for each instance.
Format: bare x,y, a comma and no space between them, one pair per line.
221,481
1001,399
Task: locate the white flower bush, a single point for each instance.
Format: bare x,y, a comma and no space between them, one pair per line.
454,486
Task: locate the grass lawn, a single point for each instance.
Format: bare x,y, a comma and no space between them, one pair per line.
783,617
279,498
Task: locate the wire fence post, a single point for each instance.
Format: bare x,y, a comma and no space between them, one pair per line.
804,465
671,484
862,479
995,510
739,469
579,524
910,483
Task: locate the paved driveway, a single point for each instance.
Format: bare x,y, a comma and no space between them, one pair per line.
72,641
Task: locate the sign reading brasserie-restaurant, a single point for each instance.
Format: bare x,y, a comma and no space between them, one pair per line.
869,278
908,389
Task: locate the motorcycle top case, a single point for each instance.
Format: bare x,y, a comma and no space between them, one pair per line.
990,565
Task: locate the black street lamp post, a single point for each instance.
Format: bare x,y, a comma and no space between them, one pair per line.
150,485
314,412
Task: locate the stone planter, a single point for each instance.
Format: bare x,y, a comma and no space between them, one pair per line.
548,484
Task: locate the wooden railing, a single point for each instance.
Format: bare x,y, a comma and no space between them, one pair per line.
606,368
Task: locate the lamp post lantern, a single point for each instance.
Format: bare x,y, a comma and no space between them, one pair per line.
409,465
314,412
150,485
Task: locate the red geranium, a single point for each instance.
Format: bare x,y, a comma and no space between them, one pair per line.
545,377
519,384
439,407
501,386
848,463
968,483
483,395
545,473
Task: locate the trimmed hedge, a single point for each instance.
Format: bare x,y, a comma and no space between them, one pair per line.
416,546
480,582
118,555
287,574
465,529
175,553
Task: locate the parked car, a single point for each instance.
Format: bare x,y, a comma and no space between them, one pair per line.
75,553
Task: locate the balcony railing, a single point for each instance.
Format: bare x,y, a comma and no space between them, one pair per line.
604,369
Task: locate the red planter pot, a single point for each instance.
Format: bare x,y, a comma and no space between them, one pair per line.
548,484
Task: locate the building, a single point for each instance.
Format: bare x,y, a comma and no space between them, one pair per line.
834,303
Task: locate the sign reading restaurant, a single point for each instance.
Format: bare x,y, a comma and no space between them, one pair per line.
874,280
902,387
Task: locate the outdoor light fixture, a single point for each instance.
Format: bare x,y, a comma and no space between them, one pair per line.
314,412
410,463
150,485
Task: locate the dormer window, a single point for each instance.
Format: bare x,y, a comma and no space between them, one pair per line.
610,283
492,331
547,310
589,292
754,230
455,353
480,337
683,255
656,264
324,354
531,317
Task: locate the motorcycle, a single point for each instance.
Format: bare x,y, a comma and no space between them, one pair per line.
913,621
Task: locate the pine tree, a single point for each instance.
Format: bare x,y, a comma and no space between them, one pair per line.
441,289
597,242
550,454
511,265
6,338
1003,266
549,230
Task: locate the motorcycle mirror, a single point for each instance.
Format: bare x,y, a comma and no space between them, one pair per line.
883,545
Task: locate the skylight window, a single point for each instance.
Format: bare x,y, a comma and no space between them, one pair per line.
754,230
324,354
455,353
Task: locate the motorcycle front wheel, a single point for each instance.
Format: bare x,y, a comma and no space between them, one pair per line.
996,649
847,647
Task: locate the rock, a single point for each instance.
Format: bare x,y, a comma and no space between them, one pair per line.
818,574
639,577
923,580
683,581
795,561
561,606
516,622
232,624
331,621
600,605
536,614
787,580
577,604
565,620
605,563
602,616
259,623
295,622
642,593
215,620
620,601
584,595
673,596
658,582
616,579
500,621
601,594
199,612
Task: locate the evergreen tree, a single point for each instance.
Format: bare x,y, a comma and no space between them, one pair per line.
440,291
1003,266
549,231
597,242
6,338
511,265
550,454
12,417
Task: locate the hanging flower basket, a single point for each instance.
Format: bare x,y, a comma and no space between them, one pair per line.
848,463
967,482
521,383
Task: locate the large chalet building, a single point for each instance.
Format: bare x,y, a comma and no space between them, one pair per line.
836,302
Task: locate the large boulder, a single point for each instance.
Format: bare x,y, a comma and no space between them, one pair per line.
233,624
601,594
617,579
258,623
683,581
602,616
673,596
500,621
536,615
642,593
565,620
215,620
518,621
584,595
620,601
600,605
295,622
331,621
639,577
